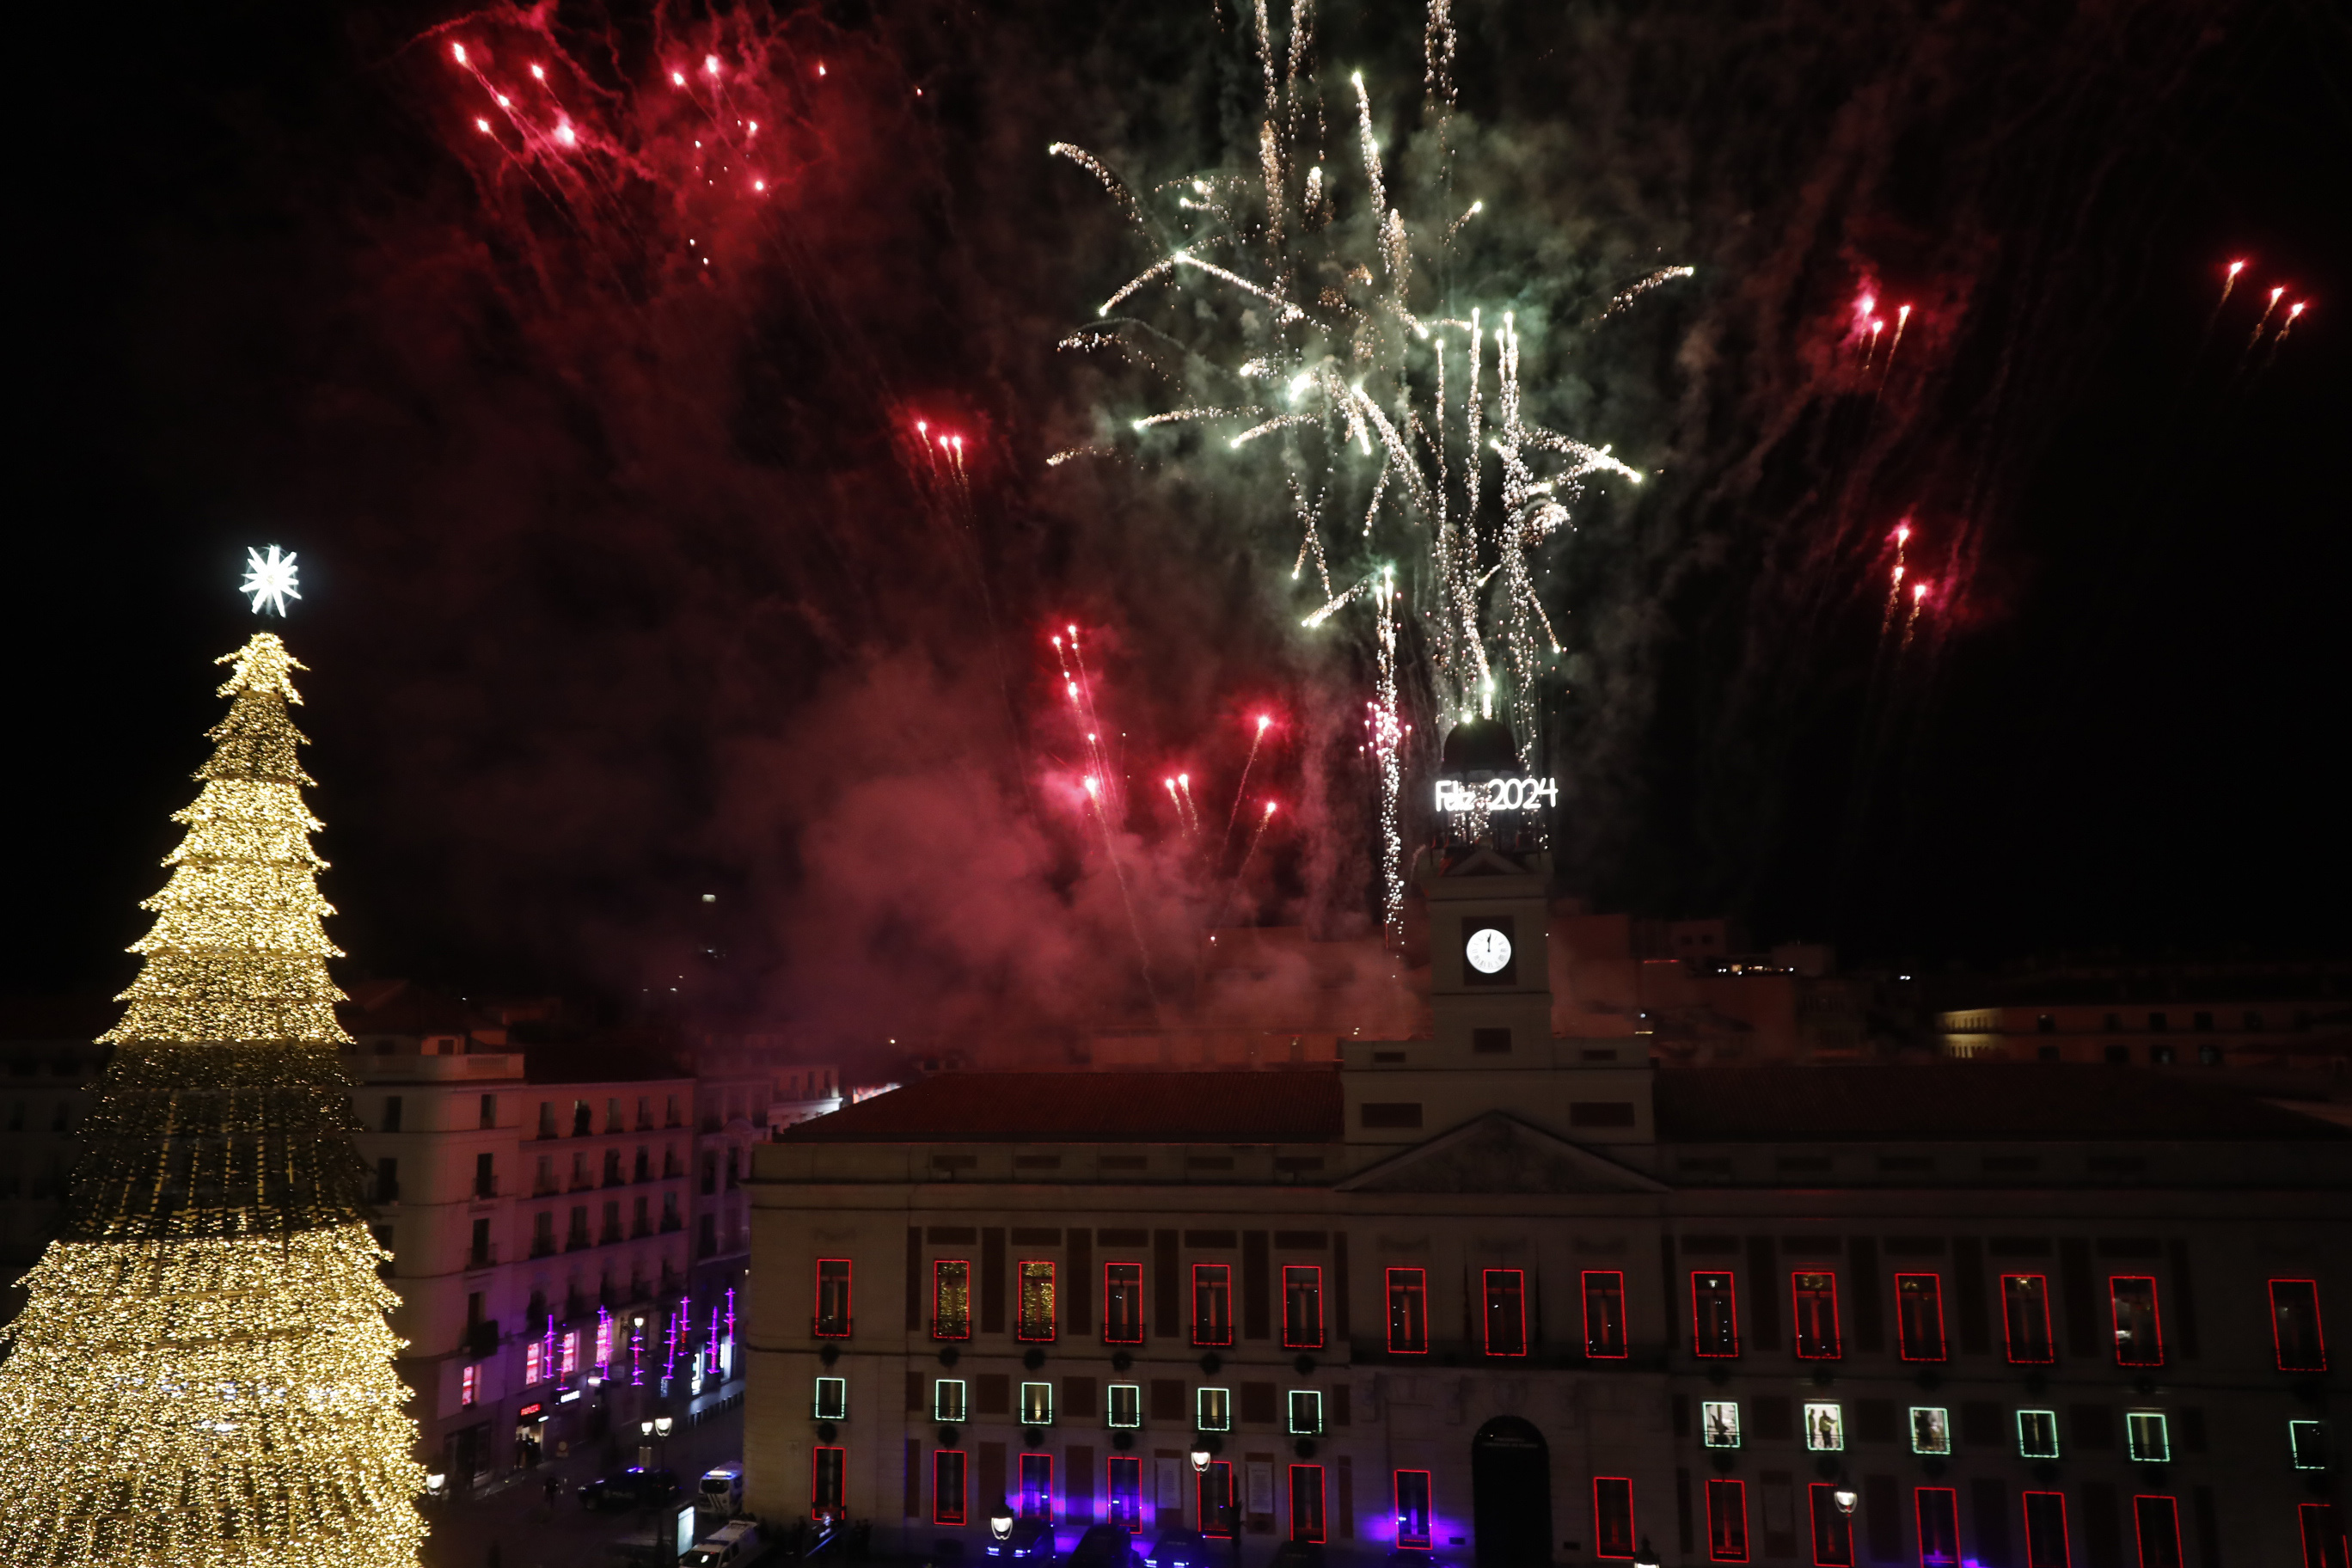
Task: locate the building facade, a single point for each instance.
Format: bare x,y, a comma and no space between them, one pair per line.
1509,1297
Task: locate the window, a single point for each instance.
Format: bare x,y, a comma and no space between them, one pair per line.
832,1399
1127,1493
947,1486
534,1362
951,1298
1302,1307
489,1110
1212,1304
1727,1522
1213,1409
1413,1510
1036,1405
1307,1502
2294,1326
1938,1510
1122,1304
1719,1423
1817,1315
604,1341
2037,1434
388,1181
1605,1313
2139,1341
1214,1494
469,1384
1832,1528
2209,1055
569,1359
1306,1413
2323,1535
547,1119
1920,1316
2150,1443
542,1233
1408,1311
392,1113
1715,1317
950,1400
2306,1445
2045,1529
1506,1292
832,1321
1825,1427
2025,1320
1931,1429
1036,1320
1126,1408
1612,1516
2156,1522
1037,1485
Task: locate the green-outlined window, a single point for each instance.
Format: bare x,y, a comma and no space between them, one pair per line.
2037,1434
1306,1413
1931,1429
1719,1423
949,1402
1036,1405
1126,1406
832,1399
2306,1445
1213,1409
2151,1444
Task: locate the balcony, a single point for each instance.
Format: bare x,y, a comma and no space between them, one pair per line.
481,1339
543,1246
485,1256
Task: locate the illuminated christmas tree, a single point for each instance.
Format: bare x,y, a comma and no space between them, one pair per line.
203,1374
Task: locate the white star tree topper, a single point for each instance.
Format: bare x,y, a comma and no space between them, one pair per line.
270,579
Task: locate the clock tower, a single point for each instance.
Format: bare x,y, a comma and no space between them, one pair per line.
1485,883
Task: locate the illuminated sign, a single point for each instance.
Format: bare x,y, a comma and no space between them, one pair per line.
1498,795
528,1411
567,1396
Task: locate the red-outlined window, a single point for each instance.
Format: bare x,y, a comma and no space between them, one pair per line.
1212,1493
1127,1493
1408,1311
2322,1536
1604,1314
1919,1317
1833,1527
1212,1303
1938,1512
1715,1313
948,1502
1035,1320
1812,1295
1302,1307
2025,1320
1307,1503
1727,1522
2155,1525
469,1384
1505,1293
832,1319
1612,1516
1122,1304
2045,1529
1037,1487
1412,1508
828,1482
951,1298
2139,1337
2295,1334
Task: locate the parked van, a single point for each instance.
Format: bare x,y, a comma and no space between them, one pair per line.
722,1491
735,1542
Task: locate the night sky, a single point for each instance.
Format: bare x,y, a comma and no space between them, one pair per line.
624,582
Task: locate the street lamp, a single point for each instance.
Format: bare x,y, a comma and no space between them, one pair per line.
435,1483
1000,1523
1845,1500
1200,1461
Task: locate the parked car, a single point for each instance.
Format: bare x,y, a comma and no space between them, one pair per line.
636,1487
1030,1542
732,1543
1106,1546
722,1489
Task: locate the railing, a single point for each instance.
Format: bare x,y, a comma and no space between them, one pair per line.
482,1257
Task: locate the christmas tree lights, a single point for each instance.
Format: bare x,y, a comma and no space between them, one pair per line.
202,1375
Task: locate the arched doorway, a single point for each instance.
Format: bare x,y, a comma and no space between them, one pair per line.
1510,1494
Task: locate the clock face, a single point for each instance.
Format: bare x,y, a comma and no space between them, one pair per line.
1488,951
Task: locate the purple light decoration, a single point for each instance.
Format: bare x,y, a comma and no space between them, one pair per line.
604,1342
711,1346
636,1352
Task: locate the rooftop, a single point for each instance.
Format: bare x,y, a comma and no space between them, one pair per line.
1091,1107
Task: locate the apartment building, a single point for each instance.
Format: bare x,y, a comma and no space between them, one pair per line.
1505,1298
2260,1016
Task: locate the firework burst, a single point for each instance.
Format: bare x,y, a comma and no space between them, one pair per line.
1392,410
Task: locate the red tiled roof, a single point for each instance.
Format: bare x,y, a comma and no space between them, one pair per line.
1962,1100
1091,1107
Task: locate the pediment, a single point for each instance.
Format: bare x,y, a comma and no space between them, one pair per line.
1486,860
1497,1153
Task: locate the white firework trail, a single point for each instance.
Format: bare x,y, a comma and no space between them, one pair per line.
1375,407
